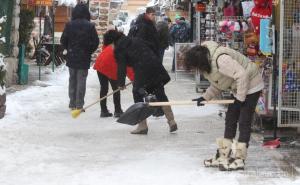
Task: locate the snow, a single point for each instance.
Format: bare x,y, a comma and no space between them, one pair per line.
67,2
2,90
40,144
152,3
2,65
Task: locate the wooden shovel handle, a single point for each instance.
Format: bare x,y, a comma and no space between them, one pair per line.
109,94
153,104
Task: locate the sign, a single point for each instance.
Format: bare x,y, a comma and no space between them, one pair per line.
43,2
200,7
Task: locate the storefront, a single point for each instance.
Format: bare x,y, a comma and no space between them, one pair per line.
247,27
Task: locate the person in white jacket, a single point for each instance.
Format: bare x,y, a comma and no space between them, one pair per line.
227,69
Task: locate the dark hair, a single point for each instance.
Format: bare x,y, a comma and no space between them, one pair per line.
111,36
198,57
150,10
81,11
182,18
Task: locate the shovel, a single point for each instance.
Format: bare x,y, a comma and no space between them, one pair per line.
142,110
75,113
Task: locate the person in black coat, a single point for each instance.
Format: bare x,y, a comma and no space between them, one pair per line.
80,39
150,76
163,35
144,28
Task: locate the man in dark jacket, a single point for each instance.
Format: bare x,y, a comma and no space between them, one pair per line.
150,76
144,28
81,40
180,33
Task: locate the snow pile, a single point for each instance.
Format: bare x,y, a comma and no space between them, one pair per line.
67,2
40,83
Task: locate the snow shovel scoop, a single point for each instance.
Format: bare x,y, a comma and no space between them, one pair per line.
75,113
142,110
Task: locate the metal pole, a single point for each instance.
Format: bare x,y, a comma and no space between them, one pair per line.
53,42
40,37
198,27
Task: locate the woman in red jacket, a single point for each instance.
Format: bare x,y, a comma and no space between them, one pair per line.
106,67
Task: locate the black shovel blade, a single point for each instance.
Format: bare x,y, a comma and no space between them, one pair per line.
136,113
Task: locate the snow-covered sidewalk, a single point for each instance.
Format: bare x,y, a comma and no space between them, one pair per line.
40,144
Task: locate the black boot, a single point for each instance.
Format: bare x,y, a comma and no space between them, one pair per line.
118,113
105,114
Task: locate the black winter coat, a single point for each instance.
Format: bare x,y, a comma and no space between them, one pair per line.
145,29
163,34
149,73
80,39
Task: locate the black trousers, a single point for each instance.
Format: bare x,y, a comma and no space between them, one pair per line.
242,114
159,93
104,90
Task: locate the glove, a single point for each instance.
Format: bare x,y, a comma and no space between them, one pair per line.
199,100
150,98
142,92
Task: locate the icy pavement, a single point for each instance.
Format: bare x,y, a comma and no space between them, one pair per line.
41,144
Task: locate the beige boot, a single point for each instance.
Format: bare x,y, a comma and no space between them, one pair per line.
238,160
170,117
142,128
223,153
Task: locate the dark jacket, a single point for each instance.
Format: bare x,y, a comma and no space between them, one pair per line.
163,34
79,38
146,30
180,32
149,72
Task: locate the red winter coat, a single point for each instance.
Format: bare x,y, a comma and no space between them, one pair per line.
106,64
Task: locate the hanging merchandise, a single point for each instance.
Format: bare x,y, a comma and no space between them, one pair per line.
231,31
229,9
247,8
265,39
262,10
207,22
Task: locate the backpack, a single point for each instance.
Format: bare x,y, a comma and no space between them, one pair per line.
181,33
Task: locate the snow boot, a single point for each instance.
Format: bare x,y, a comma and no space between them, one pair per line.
238,161
170,117
223,153
142,128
